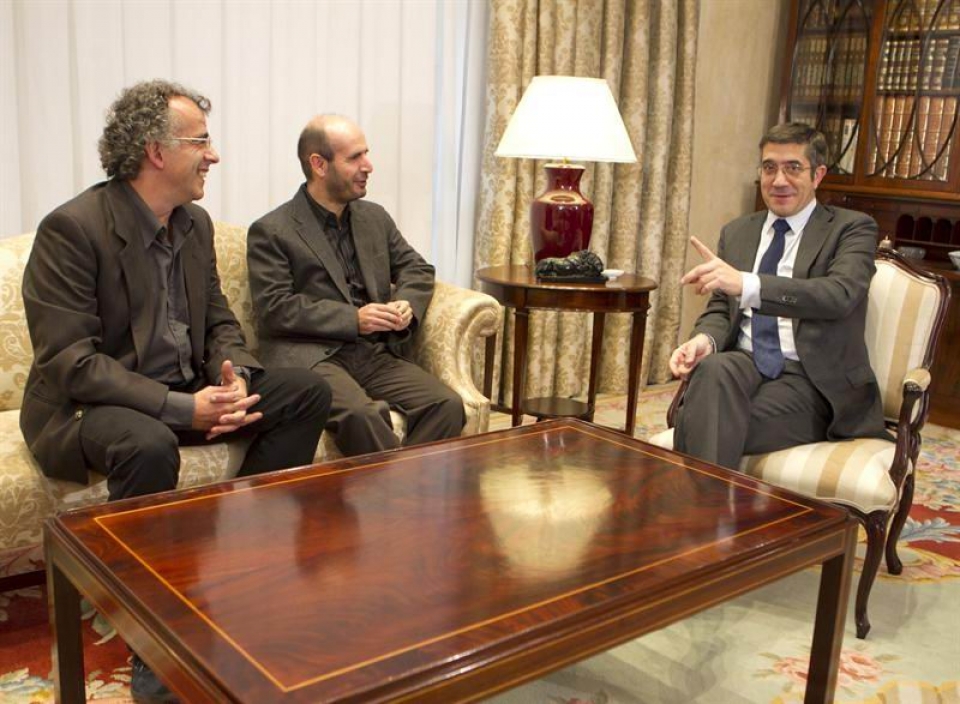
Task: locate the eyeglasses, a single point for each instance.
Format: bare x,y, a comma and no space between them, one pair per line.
791,169
205,142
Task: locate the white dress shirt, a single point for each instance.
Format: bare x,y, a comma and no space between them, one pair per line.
750,296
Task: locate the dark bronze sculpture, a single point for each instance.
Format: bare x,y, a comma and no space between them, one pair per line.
583,266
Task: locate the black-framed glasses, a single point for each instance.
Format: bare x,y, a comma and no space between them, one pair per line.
791,169
205,142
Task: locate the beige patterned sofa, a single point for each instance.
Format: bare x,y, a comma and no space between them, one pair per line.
455,322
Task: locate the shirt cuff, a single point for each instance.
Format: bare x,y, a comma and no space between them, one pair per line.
713,342
750,295
177,411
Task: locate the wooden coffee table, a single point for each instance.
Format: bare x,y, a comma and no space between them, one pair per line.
444,572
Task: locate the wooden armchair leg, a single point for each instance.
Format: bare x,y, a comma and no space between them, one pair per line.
22,580
894,565
876,527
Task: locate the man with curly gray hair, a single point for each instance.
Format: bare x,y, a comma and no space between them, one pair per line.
140,116
136,351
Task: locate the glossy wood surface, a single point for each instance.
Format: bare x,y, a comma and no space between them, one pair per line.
519,288
443,572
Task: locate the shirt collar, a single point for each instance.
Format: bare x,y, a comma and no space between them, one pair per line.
797,221
180,223
325,215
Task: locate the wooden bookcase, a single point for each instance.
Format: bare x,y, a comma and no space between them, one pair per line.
881,79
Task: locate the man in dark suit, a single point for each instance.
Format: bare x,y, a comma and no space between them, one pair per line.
778,357
135,348
338,290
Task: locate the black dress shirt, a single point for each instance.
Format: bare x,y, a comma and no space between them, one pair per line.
340,235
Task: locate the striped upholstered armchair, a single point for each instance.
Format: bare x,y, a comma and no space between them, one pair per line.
872,478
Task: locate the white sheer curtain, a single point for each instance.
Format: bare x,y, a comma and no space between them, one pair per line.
410,72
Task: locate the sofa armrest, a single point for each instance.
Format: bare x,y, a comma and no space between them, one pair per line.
456,320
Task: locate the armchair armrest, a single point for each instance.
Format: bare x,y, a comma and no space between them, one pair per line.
913,413
456,320
919,377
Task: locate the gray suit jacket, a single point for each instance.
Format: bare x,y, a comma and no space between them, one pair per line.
86,307
827,301
303,306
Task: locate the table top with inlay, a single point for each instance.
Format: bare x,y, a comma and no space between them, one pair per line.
441,572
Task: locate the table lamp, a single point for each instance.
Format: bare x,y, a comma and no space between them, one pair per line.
565,118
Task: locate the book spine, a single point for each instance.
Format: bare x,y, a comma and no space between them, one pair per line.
925,147
885,117
886,64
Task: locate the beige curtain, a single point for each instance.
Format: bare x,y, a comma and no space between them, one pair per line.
646,50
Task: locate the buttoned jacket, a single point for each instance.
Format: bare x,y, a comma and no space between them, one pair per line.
826,300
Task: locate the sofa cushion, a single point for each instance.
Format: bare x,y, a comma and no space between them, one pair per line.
231,249
201,464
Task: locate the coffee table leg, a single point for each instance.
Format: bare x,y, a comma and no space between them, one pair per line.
67,638
521,319
835,578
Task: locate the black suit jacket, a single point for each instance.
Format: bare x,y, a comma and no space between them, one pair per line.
303,305
86,305
827,300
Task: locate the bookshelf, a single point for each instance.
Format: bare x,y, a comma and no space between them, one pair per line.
881,80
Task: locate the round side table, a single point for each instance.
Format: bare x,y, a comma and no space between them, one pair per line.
517,287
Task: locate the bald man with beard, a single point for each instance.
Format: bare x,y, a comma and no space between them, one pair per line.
338,290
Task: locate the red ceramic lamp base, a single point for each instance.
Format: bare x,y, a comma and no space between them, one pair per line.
561,218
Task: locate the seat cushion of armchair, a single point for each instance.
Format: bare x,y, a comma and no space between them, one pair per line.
853,473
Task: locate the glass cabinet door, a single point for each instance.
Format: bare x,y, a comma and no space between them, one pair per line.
914,121
829,67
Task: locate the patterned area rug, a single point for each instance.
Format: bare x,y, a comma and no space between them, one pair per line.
752,649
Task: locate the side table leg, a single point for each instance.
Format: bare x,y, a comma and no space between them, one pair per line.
637,333
835,579
596,347
520,322
64,603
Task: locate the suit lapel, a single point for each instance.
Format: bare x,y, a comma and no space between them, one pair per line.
308,229
366,255
742,248
133,264
814,235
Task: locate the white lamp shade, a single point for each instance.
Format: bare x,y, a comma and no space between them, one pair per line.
567,117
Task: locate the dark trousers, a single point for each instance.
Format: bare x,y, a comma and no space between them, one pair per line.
367,380
140,455
730,410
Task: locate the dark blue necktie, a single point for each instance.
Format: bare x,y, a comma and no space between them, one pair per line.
767,354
